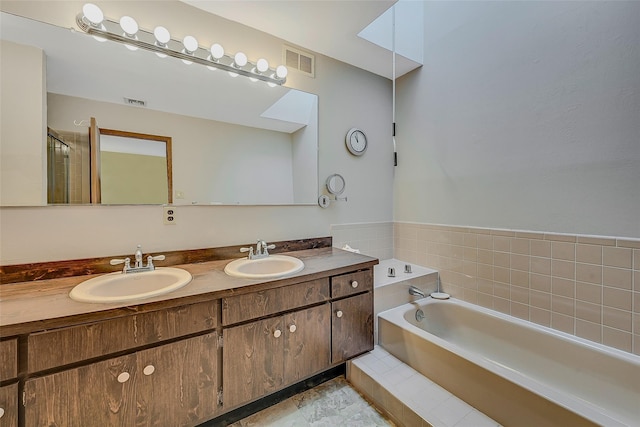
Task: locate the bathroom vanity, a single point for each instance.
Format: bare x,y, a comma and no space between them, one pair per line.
184,358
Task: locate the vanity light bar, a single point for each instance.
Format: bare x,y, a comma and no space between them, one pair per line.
95,24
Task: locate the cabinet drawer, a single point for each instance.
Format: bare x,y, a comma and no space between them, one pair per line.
8,359
83,342
352,283
264,303
9,405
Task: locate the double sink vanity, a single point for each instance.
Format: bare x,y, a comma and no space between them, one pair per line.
188,355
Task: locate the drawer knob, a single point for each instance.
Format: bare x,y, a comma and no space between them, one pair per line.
292,328
123,377
354,284
277,333
1,412
149,369
339,313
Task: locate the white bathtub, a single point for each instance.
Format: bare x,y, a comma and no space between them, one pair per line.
516,372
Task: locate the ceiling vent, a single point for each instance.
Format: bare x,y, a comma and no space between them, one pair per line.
296,59
136,102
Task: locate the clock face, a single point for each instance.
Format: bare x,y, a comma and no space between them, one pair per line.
356,141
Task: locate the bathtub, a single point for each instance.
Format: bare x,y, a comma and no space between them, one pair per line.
516,372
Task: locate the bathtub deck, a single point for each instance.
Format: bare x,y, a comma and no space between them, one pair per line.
409,398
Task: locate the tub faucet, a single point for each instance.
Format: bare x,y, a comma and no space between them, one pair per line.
416,292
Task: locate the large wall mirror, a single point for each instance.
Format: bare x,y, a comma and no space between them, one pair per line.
233,140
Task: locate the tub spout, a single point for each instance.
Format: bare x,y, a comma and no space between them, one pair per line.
416,292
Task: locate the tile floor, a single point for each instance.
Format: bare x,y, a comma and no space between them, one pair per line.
331,404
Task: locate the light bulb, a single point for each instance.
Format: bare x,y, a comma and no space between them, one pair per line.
93,13
217,51
240,60
262,65
162,35
129,25
190,44
281,71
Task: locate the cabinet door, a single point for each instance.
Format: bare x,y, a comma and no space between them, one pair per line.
9,405
252,361
307,342
99,394
351,327
8,359
177,383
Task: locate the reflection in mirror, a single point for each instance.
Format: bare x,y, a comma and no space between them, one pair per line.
134,168
234,141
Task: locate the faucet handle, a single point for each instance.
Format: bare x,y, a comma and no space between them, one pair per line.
250,250
271,246
117,261
150,260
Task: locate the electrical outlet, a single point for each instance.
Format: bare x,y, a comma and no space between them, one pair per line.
169,215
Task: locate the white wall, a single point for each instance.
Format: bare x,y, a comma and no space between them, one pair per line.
348,97
23,155
526,115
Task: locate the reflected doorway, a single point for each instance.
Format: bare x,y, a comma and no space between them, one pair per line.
131,168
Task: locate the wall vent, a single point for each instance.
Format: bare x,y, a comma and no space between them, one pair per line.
299,60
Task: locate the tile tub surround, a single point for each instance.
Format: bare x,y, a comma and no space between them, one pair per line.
390,292
588,286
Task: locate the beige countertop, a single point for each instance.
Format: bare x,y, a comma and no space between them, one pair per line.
38,305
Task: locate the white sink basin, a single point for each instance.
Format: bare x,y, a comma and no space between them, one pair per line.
118,287
271,267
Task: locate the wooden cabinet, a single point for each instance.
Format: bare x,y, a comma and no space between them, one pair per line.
162,365
173,384
264,356
9,405
351,327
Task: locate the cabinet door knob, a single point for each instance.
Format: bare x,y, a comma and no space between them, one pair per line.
149,369
292,328
339,313
1,412
354,284
277,333
123,377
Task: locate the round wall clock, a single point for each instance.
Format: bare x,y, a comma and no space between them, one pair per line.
356,142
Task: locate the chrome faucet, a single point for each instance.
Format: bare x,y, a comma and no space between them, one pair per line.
138,266
416,292
262,250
